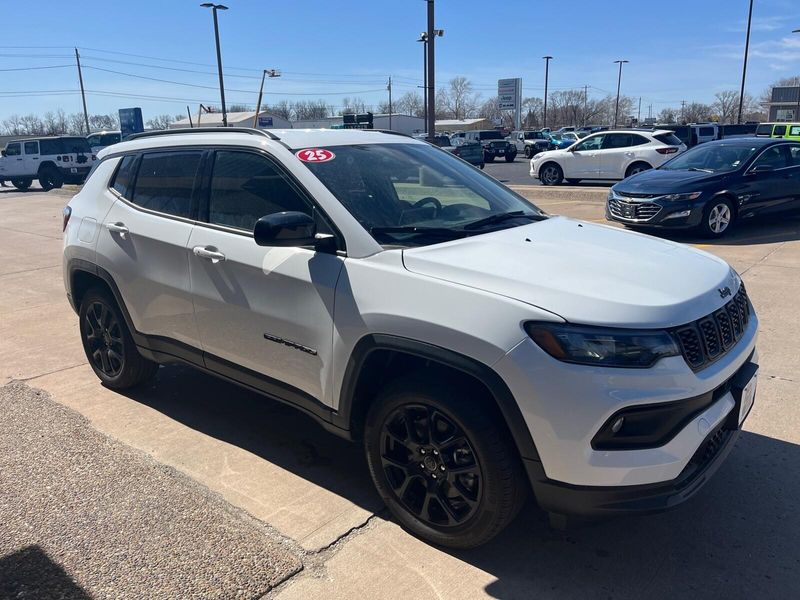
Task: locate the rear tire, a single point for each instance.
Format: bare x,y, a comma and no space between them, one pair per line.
108,344
637,167
50,178
551,174
21,184
446,469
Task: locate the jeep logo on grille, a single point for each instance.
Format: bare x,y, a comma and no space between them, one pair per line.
724,292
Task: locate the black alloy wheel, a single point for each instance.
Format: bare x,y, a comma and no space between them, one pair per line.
103,338
431,465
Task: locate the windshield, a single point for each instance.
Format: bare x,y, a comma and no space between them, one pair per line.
491,135
716,158
424,195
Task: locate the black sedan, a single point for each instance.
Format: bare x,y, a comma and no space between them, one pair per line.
712,186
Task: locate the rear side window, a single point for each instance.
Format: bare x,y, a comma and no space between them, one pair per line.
50,147
779,130
704,131
245,187
617,140
764,129
123,180
670,139
31,147
165,182
794,130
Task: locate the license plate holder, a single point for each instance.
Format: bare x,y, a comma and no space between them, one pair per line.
743,389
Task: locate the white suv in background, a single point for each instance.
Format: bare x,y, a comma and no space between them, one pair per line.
477,347
611,155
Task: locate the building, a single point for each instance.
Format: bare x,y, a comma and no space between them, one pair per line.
463,124
406,124
235,119
784,104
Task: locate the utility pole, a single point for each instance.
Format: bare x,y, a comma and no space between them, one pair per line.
423,37
189,112
683,105
744,64
796,115
585,102
389,87
83,94
547,60
639,115
430,83
267,73
619,83
214,8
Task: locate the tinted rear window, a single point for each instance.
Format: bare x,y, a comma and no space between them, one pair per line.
165,182
764,129
66,145
491,135
670,139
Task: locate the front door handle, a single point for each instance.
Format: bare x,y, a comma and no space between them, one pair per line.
209,253
118,228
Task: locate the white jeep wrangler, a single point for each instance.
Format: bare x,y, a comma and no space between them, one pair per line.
477,347
51,160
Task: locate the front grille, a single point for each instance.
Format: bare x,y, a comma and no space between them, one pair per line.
708,339
639,196
633,211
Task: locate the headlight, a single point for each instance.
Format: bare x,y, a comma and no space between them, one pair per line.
688,196
610,195
601,346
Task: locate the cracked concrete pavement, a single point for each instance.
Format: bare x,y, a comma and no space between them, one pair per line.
736,539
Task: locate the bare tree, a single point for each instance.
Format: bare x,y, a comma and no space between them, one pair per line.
76,124
410,103
314,109
281,109
354,105
726,106
668,115
458,101
532,113
696,112
160,121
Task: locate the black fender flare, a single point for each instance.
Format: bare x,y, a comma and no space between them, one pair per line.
494,383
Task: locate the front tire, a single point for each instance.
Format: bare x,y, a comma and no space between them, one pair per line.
718,218
529,153
108,344
551,174
488,157
511,157
446,470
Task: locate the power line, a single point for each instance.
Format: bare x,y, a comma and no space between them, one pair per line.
38,68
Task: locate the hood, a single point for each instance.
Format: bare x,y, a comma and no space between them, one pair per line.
583,272
662,181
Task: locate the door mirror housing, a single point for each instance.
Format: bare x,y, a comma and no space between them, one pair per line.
285,229
3,152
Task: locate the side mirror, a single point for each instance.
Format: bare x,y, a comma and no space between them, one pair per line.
762,169
3,152
286,229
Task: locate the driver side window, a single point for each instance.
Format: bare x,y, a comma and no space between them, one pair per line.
772,157
592,143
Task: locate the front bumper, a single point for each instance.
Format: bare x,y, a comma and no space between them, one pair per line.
639,212
566,405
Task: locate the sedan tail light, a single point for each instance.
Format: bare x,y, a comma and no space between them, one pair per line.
667,150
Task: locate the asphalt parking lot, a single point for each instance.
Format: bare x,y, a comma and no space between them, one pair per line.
312,492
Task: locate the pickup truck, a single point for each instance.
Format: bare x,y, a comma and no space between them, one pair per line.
530,143
494,144
51,160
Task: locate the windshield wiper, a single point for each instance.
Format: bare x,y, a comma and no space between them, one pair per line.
700,170
432,231
500,217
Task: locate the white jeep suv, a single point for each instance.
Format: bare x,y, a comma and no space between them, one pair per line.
607,155
478,347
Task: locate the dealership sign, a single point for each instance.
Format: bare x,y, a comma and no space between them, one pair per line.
509,93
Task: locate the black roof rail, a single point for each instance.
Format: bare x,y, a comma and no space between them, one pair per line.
182,130
388,131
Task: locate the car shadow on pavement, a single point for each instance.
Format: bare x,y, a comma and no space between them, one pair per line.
762,230
278,433
738,538
30,573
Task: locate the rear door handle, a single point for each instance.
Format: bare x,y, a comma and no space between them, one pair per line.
118,228
209,253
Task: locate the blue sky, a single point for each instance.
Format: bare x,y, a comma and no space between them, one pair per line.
678,49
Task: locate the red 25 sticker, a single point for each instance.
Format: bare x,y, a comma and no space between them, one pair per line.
315,155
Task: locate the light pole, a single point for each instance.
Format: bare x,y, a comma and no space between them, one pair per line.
214,8
547,60
267,73
744,64
423,37
796,116
619,83
430,80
